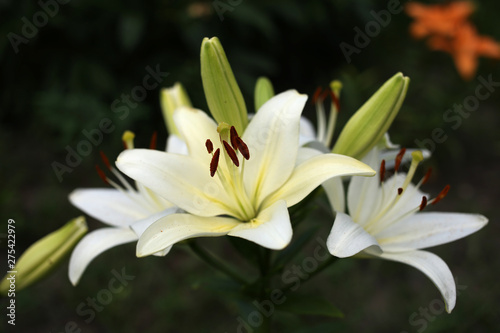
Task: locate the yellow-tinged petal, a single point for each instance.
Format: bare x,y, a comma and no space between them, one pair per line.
314,171
174,228
264,91
171,99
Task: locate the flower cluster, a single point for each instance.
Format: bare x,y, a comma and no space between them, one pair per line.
235,174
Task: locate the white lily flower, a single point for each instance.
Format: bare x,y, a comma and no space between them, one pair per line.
385,221
243,185
126,210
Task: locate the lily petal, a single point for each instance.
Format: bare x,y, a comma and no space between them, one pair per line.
271,228
432,266
108,205
348,238
196,127
424,230
334,189
273,140
306,133
92,245
140,226
165,174
314,171
174,228
175,145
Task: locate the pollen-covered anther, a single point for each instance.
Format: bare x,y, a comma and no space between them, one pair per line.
214,163
400,191
316,95
233,136
382,171
427,176
441,195
210,146
423,204
152,143
101,174
231,153
398,159
243,148
105,159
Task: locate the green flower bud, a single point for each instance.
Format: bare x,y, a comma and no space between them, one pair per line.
170,100
368,125
264,91
44,255
224,97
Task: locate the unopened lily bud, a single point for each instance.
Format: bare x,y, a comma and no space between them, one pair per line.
171,99
223,95
368,125
264,91
44,255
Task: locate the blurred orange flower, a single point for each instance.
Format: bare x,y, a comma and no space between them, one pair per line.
449,30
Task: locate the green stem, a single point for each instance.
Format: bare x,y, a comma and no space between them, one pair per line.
215,263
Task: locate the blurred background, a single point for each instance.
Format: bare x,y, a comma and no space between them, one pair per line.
62,76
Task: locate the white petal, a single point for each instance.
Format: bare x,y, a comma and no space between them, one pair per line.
175,145
92,245
432,266
177,227
108,205
334,189
140,226
314,171
196,127
273,141
306,133
348,238
271,228
177,178
423,230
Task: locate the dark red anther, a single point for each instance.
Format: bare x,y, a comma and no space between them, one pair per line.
316,95
215,162
400,190
233,137
382,171
209,145
423,203
324,94
441,195
335,100
243,148
101,174
427,176
231,153
152,143
399,158
105,160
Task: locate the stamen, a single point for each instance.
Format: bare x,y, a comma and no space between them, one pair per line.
427,176
335,100
215,162
101,174
209,145
105,159
324,94
441,195
231,153
243,148
233,137
316,95
400,190
152,143
382,171
423,203
399,158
